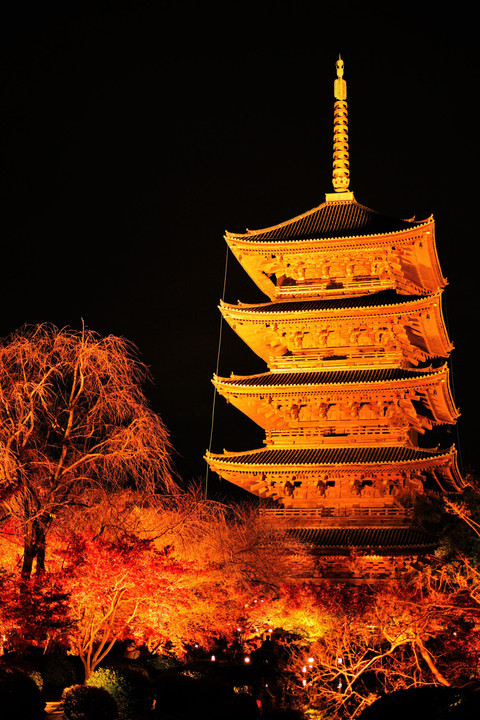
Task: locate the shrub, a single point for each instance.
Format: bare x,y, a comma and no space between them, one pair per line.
22,663
158,664
81,702
129,685
58,672
19,695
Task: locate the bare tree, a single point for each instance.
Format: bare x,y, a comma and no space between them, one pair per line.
254,549
73,417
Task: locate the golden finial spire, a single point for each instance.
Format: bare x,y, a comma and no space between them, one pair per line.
341,172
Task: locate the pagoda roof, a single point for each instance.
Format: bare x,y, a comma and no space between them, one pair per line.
330,377
333,456
331,219
374,539
385,298
431,400
426,334
241,467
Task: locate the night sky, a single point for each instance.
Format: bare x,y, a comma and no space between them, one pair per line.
132,134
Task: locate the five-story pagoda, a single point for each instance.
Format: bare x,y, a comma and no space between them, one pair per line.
356,347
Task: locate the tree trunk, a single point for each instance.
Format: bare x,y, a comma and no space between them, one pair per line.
29,553
34,542
40,543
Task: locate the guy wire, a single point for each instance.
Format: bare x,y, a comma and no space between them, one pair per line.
212,422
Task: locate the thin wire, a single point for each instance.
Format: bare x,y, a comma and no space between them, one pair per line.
212,422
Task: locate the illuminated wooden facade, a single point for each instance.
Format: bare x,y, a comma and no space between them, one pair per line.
356,347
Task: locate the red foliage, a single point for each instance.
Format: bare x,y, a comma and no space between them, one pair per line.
33,612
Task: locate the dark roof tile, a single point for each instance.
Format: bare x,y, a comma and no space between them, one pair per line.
369,538
329,377
330,220
384,298
329,456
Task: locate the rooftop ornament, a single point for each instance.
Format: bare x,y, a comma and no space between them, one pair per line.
341,171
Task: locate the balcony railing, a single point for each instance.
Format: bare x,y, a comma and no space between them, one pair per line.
341,286
342,432
390,516
387,511
338,357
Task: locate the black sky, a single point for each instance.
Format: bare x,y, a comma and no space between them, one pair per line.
132,134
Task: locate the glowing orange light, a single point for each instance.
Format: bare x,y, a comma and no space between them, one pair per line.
246,659
213,658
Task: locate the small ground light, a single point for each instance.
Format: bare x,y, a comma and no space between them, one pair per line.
246,659
311,660
339,661
304,668
212,658
304,682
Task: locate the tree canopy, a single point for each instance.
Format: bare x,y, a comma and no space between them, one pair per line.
73,418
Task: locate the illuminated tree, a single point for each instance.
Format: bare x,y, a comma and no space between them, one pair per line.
252,550
73,418
124,587
115,588
373,641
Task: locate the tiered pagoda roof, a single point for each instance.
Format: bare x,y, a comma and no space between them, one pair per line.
340,377
329,221
442,463
424,394
274,257
276,329
377,540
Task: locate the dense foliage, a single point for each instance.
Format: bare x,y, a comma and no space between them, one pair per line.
81,702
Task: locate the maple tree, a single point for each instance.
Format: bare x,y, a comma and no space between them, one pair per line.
123,587
156,569
33,612
73,418
115,587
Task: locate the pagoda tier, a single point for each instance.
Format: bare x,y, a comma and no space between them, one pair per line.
339,480
383,329
340,248
356,407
